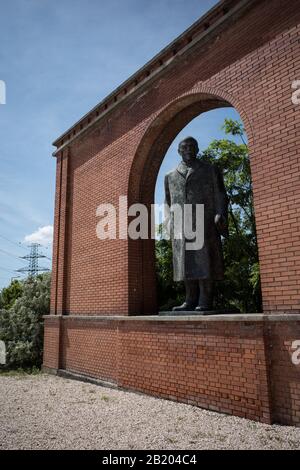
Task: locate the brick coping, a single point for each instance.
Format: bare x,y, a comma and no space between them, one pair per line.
166,58
249,317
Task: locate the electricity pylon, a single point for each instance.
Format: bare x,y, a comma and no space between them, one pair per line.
33,258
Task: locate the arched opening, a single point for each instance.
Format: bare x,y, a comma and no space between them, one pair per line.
166,126
222,141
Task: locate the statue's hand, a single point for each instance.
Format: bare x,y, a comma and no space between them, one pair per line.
221,224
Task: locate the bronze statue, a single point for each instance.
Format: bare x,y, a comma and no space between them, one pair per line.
198,182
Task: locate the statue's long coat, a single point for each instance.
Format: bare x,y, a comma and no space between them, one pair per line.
200,184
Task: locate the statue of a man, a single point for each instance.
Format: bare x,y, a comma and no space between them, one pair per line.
198,182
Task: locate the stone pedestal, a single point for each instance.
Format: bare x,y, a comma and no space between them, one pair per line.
171,313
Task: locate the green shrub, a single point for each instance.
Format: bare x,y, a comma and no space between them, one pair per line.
10,294
21,325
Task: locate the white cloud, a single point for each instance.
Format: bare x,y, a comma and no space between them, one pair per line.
43,235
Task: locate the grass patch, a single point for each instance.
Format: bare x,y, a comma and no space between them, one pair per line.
19,372
105,398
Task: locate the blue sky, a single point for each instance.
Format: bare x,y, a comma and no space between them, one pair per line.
58,60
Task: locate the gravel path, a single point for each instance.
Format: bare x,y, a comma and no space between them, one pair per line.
48,412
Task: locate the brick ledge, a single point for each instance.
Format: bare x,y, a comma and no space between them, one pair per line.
249,317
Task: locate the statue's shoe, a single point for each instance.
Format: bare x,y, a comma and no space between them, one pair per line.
184,307
201,308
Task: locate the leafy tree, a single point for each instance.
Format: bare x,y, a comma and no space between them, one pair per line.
10,294
21,325
241,286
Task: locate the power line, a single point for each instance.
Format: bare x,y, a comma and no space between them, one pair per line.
19,245
10,254
7,270
14,243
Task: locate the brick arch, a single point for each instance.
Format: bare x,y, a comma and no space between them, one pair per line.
153,145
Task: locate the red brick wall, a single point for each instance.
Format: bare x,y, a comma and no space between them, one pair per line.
91,347
52,342
250,66
284,375
238,367
209,364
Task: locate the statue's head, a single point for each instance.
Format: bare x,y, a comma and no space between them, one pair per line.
188,149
